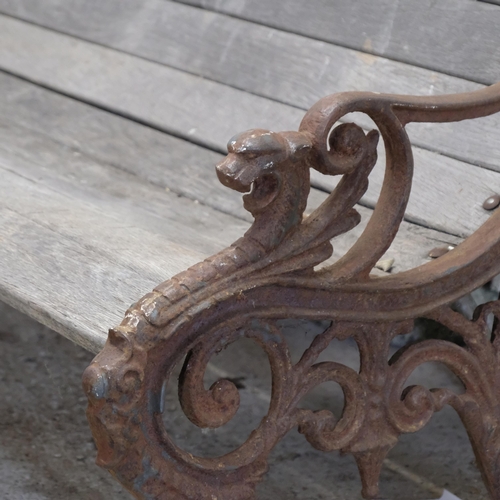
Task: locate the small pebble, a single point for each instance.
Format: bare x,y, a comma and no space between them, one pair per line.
385,264
439,251
492,202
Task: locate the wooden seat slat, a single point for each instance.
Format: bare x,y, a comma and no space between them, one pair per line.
81,241
169,162
458,37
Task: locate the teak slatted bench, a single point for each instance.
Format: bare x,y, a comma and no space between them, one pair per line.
113,115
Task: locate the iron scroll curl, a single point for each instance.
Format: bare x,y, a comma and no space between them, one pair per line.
270,274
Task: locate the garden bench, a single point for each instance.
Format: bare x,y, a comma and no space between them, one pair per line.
113,115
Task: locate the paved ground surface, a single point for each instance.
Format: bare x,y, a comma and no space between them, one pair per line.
46,450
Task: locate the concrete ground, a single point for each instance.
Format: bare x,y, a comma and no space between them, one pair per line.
47,453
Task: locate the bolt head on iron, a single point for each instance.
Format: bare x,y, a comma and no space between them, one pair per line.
492,202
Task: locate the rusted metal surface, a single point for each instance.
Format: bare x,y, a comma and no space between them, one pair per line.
270,274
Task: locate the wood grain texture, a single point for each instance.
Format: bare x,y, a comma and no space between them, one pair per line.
171,100
209,113
161,159
77,250
458,37
82,239
58,276
175,165
281,66
446,195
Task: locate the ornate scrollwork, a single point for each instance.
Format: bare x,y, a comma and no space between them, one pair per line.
270,274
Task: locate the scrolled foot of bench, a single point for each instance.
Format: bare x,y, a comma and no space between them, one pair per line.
271,274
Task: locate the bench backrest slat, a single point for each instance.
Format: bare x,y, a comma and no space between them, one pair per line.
458,37
281,66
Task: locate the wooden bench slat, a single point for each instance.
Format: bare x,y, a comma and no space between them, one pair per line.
278,65
446,196
87,239
161,159
419,33
166,161
168,99
78,177
209,113
56,275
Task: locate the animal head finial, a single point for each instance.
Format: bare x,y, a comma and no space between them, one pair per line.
258,152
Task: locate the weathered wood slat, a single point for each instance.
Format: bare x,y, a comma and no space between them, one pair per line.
209,113
166,161
171,100
177,219
458,37
446,195
81,241
58,276
264,61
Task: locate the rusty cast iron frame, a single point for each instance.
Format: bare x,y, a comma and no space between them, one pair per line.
271,273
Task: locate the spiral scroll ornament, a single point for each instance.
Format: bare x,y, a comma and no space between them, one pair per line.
270,274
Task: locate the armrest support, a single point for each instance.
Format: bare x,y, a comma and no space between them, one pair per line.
270,274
